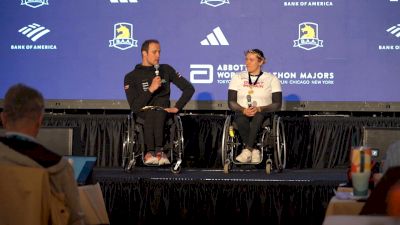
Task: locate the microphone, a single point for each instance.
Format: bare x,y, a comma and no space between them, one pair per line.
157,72
249,100
156,67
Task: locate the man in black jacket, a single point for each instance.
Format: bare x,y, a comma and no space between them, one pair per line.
148,90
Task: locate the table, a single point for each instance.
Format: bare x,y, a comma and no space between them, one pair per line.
347,206
360,220
343,207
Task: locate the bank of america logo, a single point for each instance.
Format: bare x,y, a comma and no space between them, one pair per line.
34,31
34,3
124,1
123,38
308,36
215,38
214,3
395,30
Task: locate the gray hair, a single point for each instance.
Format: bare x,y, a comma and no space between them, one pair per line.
23,102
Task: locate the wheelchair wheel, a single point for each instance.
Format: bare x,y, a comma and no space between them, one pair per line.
177,145
133,146
127,146
178,141
278,131
225,141
176,167
128,156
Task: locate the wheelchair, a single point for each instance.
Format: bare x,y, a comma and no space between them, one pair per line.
133,147
270,140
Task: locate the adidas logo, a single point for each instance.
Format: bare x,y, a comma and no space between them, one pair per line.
215,38
34,31
124,1
395,30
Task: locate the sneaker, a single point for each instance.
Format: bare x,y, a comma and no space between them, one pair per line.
245,156
163,159
255,156
149,159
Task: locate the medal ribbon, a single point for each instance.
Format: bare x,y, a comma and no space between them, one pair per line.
255,82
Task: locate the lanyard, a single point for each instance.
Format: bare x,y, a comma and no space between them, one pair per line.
255,82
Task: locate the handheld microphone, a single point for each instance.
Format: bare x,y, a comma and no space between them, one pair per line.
156,67
249,100
157,72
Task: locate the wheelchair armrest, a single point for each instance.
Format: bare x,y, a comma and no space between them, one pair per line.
267,122
169,121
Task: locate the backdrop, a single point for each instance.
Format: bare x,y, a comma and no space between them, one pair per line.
320,50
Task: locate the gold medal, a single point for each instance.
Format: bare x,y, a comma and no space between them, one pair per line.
250,92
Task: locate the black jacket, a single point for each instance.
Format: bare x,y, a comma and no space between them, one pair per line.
138,81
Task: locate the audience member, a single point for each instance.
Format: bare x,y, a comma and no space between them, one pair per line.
377,202
392,156
22,116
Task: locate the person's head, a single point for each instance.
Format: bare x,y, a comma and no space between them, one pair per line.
23,110
254,60
150,52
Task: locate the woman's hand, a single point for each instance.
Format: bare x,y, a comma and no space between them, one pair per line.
250,112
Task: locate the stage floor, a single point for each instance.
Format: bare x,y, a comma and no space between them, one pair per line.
235,175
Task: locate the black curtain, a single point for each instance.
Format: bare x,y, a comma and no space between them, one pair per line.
203,136
325,142
149,201
312,142
99,135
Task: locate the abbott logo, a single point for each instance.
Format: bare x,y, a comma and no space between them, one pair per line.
215,38
214,3
201,73
34,3
395,30
124,1
34,31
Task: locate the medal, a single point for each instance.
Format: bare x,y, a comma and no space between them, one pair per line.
250,92
253,84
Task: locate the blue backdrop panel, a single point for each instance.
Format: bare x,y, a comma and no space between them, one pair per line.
321,50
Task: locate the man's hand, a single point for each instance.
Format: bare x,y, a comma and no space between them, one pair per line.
171,110
155,84
250,112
